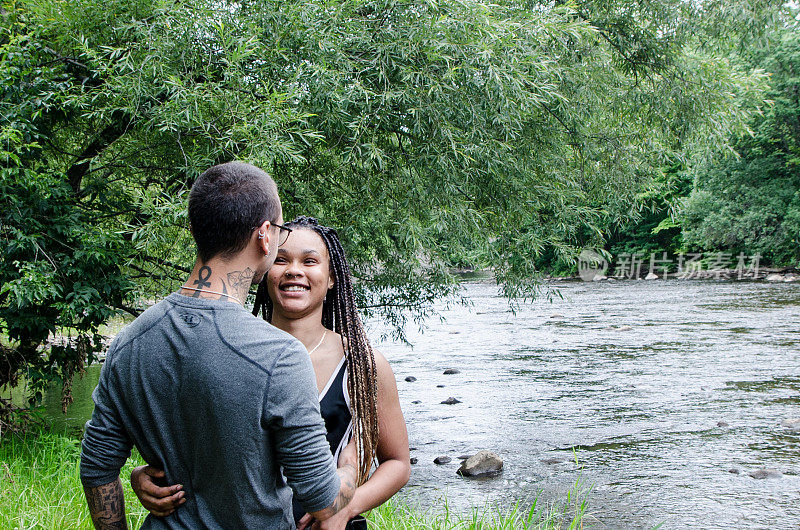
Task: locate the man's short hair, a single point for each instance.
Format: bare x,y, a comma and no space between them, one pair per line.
226,204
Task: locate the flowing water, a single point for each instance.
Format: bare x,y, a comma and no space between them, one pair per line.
662,396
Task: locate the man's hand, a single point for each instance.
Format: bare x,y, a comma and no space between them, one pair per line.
337,522
157,500
107,506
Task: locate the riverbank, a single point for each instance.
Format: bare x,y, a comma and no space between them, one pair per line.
41,489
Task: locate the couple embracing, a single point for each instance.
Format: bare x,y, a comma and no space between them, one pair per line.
248,422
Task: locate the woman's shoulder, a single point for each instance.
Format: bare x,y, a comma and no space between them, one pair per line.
383,370
380,360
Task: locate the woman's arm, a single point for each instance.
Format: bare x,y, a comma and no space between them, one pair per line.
394,466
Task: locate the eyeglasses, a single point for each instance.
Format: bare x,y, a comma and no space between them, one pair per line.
283,235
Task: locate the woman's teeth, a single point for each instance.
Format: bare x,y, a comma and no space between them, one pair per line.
293,288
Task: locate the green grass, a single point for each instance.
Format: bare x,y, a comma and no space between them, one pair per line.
40,484
40,488
570,514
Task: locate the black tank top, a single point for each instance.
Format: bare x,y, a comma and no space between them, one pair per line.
334,404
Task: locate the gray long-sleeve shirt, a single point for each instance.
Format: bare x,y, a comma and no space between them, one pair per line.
222,401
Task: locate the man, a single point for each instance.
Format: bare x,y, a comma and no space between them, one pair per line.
219,399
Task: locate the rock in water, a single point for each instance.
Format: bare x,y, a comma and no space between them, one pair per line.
450,401
481,464
765,473
793,424
624,328
441,460
451,371
411,378
416,402
413,460
439,386
723,424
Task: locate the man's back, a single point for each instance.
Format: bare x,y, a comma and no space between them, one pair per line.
220,400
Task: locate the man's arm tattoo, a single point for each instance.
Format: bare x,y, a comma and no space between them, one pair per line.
107,506
347,475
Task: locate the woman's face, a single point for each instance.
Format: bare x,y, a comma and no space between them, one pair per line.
301,276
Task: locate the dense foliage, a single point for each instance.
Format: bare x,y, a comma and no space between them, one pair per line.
751,203
738,201
431,134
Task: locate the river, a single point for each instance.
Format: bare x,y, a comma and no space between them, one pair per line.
666,394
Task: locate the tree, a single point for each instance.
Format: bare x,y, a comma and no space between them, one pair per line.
751,203
430,134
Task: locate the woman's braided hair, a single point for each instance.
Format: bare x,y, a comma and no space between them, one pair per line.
340,315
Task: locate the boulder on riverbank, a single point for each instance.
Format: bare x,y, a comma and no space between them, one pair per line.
483,463
651,276
774,278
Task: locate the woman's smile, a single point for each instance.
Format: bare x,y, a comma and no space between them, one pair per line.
293,288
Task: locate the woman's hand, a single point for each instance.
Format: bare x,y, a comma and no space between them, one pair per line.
157,500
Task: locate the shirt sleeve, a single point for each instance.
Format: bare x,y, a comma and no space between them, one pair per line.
106,445
291,414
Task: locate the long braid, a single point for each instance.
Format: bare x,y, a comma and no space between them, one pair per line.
340,315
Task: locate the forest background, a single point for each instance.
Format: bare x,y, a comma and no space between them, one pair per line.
435,136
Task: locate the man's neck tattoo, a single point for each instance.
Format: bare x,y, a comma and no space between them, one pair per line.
240,282
202,280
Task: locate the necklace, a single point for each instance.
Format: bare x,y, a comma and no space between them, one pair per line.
319,343
210,292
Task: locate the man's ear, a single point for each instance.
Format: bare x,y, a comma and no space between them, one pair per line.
262,236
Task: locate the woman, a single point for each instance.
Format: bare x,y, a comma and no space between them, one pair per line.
308,292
